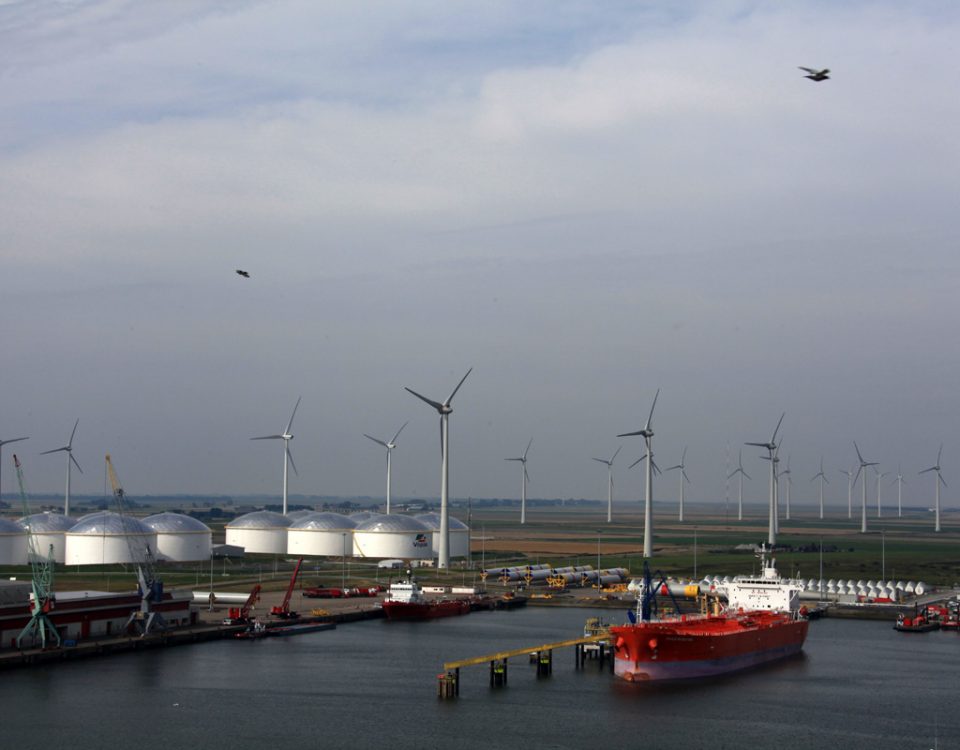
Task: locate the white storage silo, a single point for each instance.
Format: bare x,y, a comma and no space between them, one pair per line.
13,543
180,538
107,538
392,536
459,533
321,535
262,531
49,529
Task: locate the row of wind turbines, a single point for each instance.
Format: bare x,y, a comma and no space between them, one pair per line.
444,409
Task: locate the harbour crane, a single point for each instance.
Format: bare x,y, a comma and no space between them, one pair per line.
43,600
283,610
241,615
149,586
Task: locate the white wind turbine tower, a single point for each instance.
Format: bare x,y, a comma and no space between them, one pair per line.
899,482
444,410
786,473
823,478
286,437
609,465
936,468
739,470
647,434
863,504
389,445
880,475
68,449
771,447
683,477
3,443
524,479
849,474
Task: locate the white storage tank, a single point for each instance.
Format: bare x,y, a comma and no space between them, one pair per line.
321,535
296,515
392,536
49,529
459,533
180,538
262,531
13,543
363,515
107,538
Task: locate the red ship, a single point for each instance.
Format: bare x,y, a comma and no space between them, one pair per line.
405,601
762,622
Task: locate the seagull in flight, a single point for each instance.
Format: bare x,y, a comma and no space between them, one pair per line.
816,75
245,274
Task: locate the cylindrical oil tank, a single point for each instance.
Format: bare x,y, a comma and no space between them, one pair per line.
181,538
392,536
321,535
107,538
262,531
49,529
459,533
13,543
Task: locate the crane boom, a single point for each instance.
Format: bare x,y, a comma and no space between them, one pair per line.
284,609
43,599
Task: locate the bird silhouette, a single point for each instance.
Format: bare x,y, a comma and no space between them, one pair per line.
245,274
816,75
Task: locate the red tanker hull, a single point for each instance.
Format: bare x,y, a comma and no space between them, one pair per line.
425,610
693,647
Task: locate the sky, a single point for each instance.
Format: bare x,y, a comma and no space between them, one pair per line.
584,202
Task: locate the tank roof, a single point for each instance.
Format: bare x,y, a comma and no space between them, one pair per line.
325,522
296,515
10,527
432,520
260,519
175,523
363,515
392,524
107,522
45,523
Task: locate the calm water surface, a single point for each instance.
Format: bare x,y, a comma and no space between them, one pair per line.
372,685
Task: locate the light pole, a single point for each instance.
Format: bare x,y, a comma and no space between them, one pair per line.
343,573
883,555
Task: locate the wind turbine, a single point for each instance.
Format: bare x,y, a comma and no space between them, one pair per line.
68,449
863,505
443,409
389,445
609,465
899,482
823,478
880,475
849,475
647,434
525,478
786,473
3,443
683,477
739,470
936,468
286,437
771,447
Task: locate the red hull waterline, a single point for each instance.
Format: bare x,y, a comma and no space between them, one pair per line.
425,610
704,646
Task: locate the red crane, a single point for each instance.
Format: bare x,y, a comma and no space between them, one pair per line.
284,609
240,615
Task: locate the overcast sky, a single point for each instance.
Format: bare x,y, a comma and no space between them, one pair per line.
583,201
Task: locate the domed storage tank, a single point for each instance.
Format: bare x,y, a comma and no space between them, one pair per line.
180,538
392,536
459,533
321,535
262,531
49,529
107,538
13,543
363,515
296,515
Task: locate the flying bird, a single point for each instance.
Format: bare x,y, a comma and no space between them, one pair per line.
816,75
245,274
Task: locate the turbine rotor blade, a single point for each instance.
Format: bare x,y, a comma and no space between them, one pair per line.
652,407
682,471
268,437
602,460
14,440
615,454
528,449
637,461
942,480
379,442
292,464
75,463
774,438
290,423
434,404
858,451
74,432
55,450
399,431
454,392
632,434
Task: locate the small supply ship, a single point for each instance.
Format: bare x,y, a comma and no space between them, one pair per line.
761,622
405,600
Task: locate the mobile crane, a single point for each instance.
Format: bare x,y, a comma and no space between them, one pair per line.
283,610
150,588
241,615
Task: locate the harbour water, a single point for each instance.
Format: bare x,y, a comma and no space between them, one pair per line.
373,685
